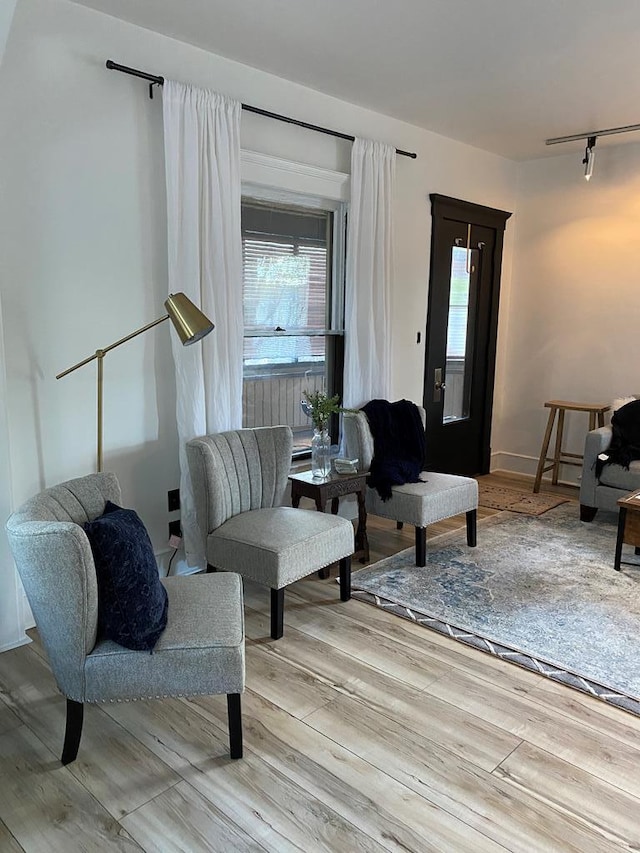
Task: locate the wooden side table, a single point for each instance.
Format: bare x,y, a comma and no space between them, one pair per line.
332,488
628,525
561,457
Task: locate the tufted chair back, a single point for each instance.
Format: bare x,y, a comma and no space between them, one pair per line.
237,471
55,563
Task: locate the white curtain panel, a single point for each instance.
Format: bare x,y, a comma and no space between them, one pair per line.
202,164
367,373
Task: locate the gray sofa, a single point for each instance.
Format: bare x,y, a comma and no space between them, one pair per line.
614,482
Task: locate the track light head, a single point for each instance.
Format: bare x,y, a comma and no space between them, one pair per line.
589,157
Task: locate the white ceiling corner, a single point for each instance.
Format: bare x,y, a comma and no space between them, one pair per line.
502,75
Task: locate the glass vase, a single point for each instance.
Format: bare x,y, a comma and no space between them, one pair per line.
320,454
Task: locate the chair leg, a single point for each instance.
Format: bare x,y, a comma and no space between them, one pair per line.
345,579
234,712
73,731
472,526
558,449
421,546
587,513
277,613
545,449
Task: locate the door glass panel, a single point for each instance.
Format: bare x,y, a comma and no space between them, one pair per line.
459,355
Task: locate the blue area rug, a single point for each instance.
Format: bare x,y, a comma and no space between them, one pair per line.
538,591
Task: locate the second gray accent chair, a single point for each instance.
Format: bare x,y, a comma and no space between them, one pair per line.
615,481
440,496
200,652
239,480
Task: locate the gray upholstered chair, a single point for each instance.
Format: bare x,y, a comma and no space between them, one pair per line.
440,496
239,480
615,481
201,650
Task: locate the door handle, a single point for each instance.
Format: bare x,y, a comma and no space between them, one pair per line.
438,384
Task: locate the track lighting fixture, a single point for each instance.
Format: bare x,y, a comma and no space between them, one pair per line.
591,137
589,157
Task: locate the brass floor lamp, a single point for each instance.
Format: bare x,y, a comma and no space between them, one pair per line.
190,324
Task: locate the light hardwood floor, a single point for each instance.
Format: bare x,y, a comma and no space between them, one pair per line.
363,732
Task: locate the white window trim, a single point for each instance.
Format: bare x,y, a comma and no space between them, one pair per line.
260,172
287,182
268,178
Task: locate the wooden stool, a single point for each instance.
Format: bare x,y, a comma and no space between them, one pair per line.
560,457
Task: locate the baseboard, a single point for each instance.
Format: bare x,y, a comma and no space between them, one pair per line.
519,463
23,642
516,463
179,565
27,616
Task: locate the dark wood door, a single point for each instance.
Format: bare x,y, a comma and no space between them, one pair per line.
464,286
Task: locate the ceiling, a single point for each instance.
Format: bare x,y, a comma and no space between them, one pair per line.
503,75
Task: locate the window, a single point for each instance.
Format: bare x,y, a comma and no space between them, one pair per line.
458,304
459,336
292,298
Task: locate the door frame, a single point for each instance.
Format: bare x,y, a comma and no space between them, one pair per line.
447,208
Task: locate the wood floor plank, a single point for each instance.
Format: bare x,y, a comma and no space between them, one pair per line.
276,811
595,752
389,812
593,802
115,767
589,710
8,719
8,844
266,673
330,664
513,818
323,621
461,733
259,799
185,821
443,650
45,808
176,733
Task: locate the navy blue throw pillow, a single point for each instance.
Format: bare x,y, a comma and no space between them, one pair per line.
132,603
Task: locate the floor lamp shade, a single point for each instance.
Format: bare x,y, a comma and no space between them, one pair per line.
188,320
190,324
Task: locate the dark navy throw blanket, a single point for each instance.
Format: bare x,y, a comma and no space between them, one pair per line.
625,437
399,444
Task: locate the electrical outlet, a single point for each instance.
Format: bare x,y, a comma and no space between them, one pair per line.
173,499
174,528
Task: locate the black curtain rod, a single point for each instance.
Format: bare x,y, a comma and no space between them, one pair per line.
155,80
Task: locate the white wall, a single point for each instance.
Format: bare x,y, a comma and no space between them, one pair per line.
82,229
574,312
6,17
11,616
